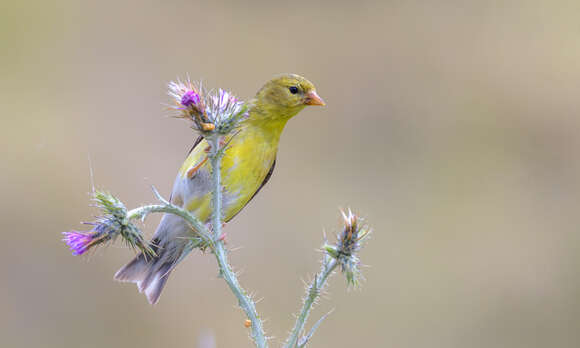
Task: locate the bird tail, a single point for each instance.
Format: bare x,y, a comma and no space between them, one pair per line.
149,273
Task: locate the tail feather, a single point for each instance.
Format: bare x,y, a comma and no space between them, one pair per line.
161,271
133,271
150,274
154,288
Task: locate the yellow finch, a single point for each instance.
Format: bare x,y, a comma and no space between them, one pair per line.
246,167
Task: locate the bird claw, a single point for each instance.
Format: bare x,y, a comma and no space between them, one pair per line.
222,143
191,172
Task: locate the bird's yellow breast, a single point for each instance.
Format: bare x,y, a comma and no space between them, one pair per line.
245,165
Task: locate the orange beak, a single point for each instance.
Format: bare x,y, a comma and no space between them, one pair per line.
313,99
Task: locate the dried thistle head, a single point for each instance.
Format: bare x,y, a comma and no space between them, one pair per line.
214,112
349,241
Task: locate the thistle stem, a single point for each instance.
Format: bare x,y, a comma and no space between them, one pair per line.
213,241
166,207
215,157
245,302
328,266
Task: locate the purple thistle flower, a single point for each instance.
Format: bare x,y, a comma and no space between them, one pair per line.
216,112
79,242
107,228
189,98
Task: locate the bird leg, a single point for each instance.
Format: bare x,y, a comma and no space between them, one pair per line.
191,172
222,142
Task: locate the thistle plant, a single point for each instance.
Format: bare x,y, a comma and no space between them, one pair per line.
344,254
108,227
217,116
214,113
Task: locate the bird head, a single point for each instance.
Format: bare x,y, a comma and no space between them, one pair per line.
284,96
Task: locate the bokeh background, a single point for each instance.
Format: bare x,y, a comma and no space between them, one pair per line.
452,126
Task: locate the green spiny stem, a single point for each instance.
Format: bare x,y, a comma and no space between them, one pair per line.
328,266
142,212
248,306
244,301
212,240
215,157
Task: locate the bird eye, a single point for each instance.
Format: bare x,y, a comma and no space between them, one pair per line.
293,89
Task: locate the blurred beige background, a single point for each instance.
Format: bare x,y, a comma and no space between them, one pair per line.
452,126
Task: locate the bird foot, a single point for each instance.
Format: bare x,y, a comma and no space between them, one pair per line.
191,172
222,142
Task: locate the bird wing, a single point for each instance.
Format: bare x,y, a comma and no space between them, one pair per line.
195,143
194,154
192,185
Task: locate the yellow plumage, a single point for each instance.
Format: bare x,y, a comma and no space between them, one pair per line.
247,161
246,166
